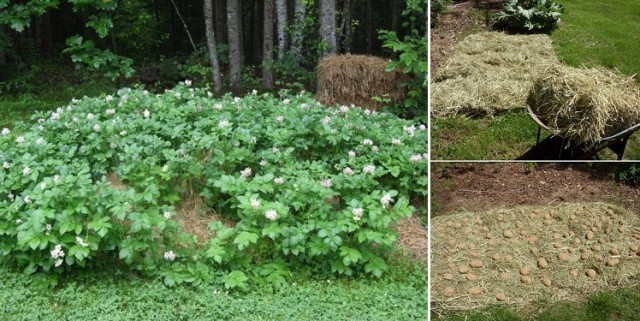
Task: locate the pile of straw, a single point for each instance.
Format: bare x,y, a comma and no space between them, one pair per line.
356,79
489,73
572,238
585,105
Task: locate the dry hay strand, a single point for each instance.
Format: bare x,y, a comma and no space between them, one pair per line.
193,217
413,237
585,105
505,241
355,79
489,73
115,181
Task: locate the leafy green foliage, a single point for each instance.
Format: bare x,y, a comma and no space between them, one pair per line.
85,53
412,59
629,174
529,15
307,185
400,295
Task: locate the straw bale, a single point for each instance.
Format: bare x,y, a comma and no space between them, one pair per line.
355,79
585,104
528,268
489,73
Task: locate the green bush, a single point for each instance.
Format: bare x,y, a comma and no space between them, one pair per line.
529,15
307,185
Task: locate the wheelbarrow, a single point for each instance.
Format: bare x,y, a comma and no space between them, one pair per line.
556,147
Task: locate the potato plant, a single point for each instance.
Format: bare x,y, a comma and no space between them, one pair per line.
307,185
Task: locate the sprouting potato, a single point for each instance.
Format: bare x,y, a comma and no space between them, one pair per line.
508,234
542,263
474,290
449,291
471,277
525,279
476,264
501,297
592,273
613,262
447,276
546,282
463,269
525,270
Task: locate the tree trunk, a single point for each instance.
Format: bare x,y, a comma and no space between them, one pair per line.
267,47
220,16
3,57
281,13
347,26
235,56
328,25
298,35
258,14
211,45
369,27
241,34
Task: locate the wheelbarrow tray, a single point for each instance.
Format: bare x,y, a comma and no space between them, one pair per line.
556,147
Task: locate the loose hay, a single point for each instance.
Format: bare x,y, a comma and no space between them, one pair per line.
355,79
526,268
194,219
585,105
490,72
413,237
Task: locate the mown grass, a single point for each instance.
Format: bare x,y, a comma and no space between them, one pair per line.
592,33
618,305
604,33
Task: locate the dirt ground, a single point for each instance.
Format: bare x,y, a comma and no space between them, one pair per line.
480,187
458,21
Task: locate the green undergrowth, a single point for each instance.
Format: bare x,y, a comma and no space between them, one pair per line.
112,295
620,305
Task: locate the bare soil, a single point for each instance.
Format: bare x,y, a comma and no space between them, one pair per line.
480,187
452,26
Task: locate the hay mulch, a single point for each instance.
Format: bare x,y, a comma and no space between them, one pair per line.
193,217
356,79
585,105
532,254
413,237
490,72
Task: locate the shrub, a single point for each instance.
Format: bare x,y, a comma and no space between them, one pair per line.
529,15
306,185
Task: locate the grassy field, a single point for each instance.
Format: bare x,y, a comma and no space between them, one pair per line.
619,305
109,295
592,33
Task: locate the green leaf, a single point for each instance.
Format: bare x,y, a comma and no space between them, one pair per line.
244,239
235,279
375,266
216,252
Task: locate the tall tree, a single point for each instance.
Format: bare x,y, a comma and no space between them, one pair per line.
346,26
211,45
267,48
281,12
235,52
328,25
220,15
299,10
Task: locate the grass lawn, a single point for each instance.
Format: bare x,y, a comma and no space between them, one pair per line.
592,33
619,305
104,295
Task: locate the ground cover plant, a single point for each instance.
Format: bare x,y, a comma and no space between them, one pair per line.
400,294
297,185
579,41
529,15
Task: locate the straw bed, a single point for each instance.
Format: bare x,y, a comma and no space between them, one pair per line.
585,105
509,244
489,73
